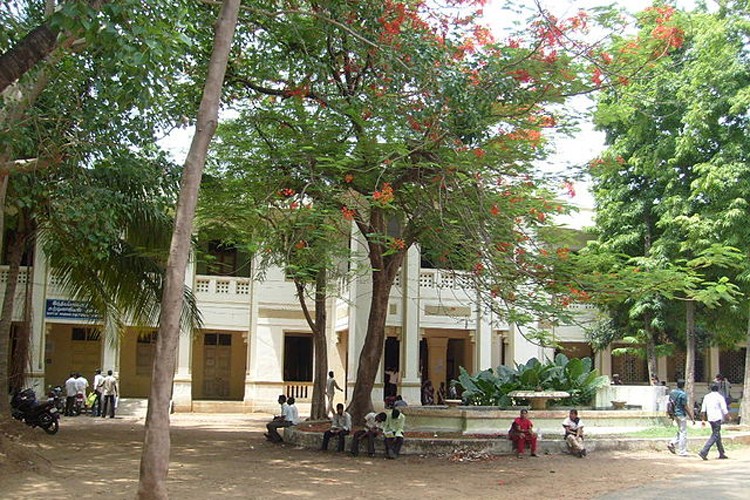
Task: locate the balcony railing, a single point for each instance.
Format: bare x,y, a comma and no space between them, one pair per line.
223,288
442,280
23,275
301,391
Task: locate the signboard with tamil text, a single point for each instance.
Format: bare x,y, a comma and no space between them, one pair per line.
69,309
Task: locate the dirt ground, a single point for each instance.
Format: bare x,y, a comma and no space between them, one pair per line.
221,456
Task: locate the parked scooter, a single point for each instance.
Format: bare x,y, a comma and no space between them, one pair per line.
80,404
25,407
55,396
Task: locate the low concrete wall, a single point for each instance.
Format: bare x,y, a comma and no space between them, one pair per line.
647,397
493,421
502,446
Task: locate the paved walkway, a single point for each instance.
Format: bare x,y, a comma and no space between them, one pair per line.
709,480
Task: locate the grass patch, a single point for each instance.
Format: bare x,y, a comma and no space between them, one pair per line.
668,432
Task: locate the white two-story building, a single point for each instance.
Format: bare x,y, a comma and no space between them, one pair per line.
255,343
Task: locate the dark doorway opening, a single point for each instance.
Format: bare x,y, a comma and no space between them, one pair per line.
298,358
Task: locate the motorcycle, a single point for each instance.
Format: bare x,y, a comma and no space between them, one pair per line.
26,408
80,404
55,396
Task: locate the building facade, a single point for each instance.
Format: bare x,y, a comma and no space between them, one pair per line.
256,344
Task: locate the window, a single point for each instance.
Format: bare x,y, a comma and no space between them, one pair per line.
85,334
298,358
144,353
221,259
217,339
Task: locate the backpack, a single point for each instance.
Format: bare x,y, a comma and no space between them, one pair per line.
671,407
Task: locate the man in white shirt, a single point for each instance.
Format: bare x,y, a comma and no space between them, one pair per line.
81,384
341,425
713,409
574,434
110,392
70,394
331,387
373,428
96,409
288,417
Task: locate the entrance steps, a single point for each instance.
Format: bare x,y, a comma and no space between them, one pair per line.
137,407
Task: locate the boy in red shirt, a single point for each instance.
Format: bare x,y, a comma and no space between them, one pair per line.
521,434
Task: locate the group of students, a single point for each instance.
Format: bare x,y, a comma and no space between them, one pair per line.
522,433
389,424
105,389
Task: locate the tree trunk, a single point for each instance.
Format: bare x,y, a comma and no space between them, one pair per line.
156,445
318,327
23,56
35,47
745,403
372,349
16,244
651,362
318,407
20,361
690,352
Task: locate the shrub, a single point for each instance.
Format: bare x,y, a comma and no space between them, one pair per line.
575,376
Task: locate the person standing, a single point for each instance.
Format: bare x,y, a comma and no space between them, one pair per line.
393,430
81,385
681,413
331,387
96,408
70,395
109,391
713,409
441,396
725,388
341,425
428,393
573,426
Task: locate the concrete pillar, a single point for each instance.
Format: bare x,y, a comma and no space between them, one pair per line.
110,355
604,361
35,375
409,383
661,368
437,348
713,366
182,388
360,295
483,338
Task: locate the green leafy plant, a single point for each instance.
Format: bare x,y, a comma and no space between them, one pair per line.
574,376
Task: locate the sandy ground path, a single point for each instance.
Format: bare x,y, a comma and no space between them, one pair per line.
226,456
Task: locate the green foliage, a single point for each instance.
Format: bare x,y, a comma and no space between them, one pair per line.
575,376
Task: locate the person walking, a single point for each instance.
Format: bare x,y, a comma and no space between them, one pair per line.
331,387
713,409
681,413
109,391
